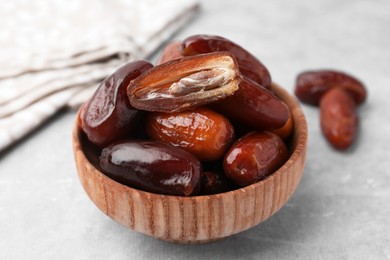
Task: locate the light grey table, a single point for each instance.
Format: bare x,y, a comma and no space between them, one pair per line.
341,210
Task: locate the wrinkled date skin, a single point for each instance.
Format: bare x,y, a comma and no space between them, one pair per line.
171,52
185,83
312,85
254,156
108,115
339,119
254,106
201,131
248,64
152,166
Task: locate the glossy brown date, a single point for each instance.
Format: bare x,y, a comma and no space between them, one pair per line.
253,157
339,119
312,85
108,115
171,51
152,166
248,64
285,131
253,106
201,131
185,83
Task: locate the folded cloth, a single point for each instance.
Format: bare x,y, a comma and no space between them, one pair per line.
54,53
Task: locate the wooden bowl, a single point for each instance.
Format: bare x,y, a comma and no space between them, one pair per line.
197,219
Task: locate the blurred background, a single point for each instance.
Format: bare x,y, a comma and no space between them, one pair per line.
53,54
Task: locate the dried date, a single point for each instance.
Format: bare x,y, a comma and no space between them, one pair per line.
185,83
108,115
152,166
248,64
213,182
339,119
312,85
171,52
253,106
254,156
201,131
285,131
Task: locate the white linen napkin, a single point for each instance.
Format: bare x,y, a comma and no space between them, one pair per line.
54,53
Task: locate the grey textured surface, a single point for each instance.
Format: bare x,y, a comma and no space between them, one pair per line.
341,208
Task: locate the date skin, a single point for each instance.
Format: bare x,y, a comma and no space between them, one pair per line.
202,132
312,85
248,64
253,157
152,166
108,115
253,106
172,51
339,119
285,131
213,182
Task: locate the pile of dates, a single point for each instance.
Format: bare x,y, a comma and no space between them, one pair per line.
204,120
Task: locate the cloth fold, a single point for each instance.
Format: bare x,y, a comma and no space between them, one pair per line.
54,53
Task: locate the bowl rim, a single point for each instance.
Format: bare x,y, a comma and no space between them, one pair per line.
299,149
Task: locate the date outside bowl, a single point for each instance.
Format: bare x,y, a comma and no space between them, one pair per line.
197,219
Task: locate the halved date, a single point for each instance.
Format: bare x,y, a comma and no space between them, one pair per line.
185,83
152,166
108,115
253,106
248,64
312,85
